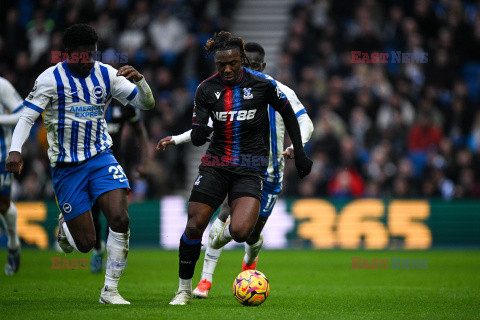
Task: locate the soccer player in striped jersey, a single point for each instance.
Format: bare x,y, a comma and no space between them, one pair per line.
10,105
117,115
237,100
272,185
72,96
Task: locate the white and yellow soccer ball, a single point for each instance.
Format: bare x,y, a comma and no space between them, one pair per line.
251,288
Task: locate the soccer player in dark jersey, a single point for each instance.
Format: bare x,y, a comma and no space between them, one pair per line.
272,185
117,116
235,164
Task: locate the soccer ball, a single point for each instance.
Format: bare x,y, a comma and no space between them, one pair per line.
251,288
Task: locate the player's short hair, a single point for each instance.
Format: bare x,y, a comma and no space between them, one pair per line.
255,47
79,34
225,41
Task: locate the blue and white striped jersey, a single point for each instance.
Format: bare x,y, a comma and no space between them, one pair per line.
276,161
10,102
73,109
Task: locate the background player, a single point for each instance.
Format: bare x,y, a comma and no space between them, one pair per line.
117,116
10,105
73,95
272,185
237,99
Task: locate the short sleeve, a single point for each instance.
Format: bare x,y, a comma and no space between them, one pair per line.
275,97
42,93
121,88
9,97
200,110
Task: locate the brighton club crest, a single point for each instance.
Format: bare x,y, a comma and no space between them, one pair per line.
98,92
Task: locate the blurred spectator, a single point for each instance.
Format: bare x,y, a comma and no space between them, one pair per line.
168,34
346,184
38,34
423,134
388,112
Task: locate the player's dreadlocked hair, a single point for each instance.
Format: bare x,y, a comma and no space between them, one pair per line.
79,35
225,41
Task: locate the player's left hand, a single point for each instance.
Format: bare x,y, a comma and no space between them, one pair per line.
165,142
303,165
14,163
129,72
288,153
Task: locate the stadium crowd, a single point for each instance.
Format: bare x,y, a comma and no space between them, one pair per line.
381,129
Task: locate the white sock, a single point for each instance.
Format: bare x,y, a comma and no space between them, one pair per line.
251,251
212,255
185,284
210,262
69,236
117,252
10,222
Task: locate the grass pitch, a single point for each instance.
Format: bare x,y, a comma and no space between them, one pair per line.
304,285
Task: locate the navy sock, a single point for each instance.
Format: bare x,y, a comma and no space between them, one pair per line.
189,252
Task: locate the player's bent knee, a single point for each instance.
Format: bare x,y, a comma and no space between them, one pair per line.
194,232
196,225
239,234
239,237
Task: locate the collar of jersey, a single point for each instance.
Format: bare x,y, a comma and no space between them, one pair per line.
67,70
236,83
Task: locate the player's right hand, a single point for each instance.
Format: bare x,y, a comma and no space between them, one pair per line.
164,143
303,165
14,163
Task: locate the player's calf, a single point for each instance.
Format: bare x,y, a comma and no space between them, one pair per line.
251,254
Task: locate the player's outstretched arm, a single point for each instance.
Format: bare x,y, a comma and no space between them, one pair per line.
178,139
14,163
164,143
174,140
144,98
